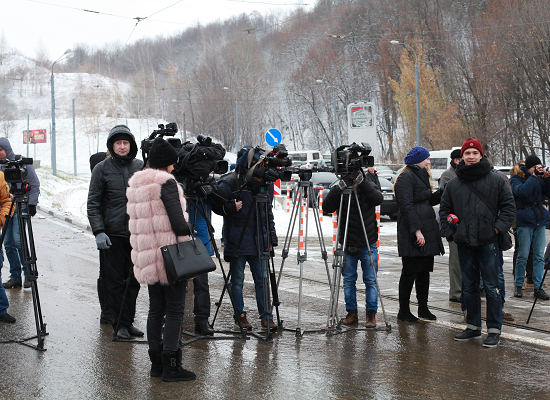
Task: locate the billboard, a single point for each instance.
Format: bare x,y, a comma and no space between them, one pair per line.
362,124
36,136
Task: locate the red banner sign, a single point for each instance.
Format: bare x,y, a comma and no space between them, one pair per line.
36,136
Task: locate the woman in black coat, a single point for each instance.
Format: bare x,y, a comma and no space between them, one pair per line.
418,239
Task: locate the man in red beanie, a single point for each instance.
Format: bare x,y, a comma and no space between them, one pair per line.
476,196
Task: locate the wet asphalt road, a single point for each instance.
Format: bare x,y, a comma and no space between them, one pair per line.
411,361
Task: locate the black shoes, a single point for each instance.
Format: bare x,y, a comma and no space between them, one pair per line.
424,313
204,328
123,334
27,283
541,294
518,292
406,316
468,334
454,299
172,370
11,284
7,318
133,331
492,340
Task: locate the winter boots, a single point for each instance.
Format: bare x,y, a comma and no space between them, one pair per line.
371,319
171,367
351,318
103,294
156,363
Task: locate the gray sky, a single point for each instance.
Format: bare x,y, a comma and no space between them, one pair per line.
59,24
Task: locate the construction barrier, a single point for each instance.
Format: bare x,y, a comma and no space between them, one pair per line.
288,197
334,230
321,205
302,223
378,227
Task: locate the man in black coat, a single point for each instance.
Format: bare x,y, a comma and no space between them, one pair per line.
476,234
109,221
357,245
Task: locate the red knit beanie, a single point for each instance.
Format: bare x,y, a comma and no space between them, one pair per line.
471,143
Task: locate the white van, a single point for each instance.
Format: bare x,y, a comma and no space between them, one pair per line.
440,161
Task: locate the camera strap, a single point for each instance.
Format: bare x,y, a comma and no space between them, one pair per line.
251,170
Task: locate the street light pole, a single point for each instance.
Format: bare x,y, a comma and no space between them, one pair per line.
417,89
68,54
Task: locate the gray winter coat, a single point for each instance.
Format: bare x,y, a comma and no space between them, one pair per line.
34,182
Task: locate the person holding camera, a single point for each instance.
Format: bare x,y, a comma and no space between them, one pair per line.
204,195
357,245
12,240
418,239
241,235
157,218
109,222
529,184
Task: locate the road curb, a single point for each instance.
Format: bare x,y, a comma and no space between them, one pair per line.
64,218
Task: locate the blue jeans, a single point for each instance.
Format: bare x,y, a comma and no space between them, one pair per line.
472,261
14,253
528,235
237,279
4,304
349,273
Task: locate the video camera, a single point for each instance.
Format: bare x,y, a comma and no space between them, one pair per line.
16,172
198,160
350,158
266,167
170,130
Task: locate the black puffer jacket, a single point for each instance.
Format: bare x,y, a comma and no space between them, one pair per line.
369,197
107,194
415,201
477,222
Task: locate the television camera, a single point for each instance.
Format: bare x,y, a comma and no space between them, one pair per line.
264,167
15,173
350,158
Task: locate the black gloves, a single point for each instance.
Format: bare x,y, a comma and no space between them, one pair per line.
31,209
350,179
271,175
274,239
205,189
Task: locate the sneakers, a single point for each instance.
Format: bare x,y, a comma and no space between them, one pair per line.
507,316
7,318
27,283
11,284
371,319
492,340
351,318
272,325
468,334
244,322
541,294
518,292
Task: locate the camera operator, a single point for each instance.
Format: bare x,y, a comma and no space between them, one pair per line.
246,220
529,184
5,203
369,196
109,221
12,240
211,198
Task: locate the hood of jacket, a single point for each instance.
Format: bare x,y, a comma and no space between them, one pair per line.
122,130
6,145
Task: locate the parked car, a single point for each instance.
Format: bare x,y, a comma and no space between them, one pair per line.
385,172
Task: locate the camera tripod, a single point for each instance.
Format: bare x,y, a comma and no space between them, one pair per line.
305,191
200,206
334,323
28,261
260,205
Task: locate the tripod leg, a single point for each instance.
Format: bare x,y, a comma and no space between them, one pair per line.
290,231
536,298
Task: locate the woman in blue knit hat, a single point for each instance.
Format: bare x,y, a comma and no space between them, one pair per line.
418,239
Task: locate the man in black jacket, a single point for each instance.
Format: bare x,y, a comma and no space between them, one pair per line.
476,234
109,221
369,196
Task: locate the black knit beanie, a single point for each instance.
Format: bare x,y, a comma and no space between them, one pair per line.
531,161
162,154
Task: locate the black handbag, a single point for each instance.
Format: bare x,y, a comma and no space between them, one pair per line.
186,260
504,239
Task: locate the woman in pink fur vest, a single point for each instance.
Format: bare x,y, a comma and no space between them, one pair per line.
157,218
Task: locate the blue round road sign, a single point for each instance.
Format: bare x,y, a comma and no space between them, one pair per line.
273,137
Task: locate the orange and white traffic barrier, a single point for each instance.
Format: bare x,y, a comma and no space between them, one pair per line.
288,197
321,205
334,230
378,227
